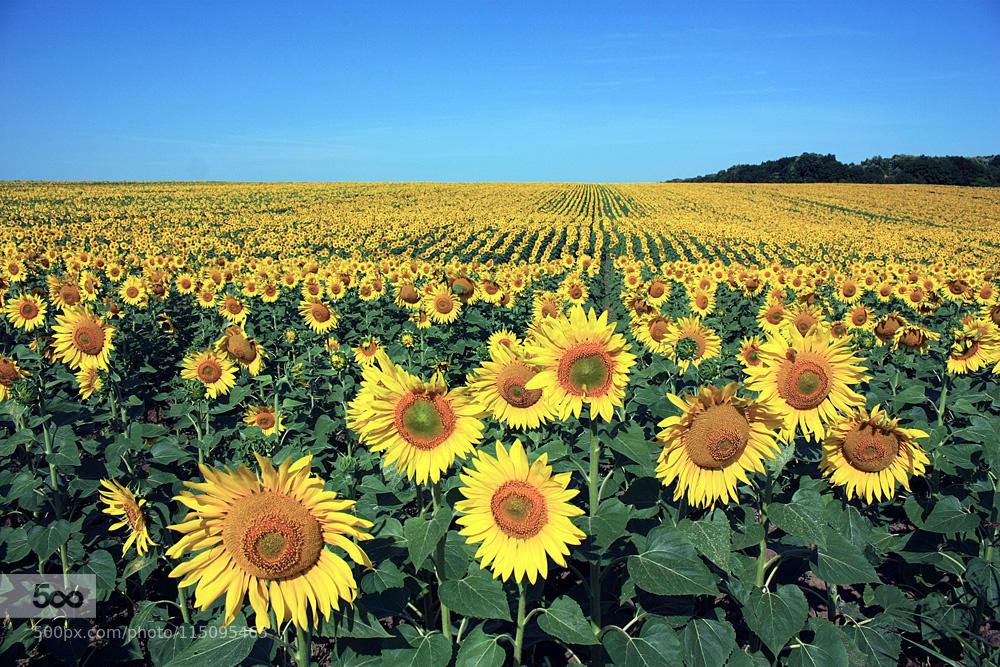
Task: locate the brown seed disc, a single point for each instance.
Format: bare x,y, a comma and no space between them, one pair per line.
717,437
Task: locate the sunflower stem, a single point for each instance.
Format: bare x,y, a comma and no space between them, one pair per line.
595,565
302,647
519,636
182,603
439,564
944,399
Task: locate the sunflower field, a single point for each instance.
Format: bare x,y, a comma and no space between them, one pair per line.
489,424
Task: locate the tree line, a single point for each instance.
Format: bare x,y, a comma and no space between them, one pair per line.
981,171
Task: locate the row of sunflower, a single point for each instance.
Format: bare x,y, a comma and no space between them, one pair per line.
265,538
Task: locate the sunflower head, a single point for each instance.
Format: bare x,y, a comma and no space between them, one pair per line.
868,453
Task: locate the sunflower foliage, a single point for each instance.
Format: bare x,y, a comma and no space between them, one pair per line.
576,442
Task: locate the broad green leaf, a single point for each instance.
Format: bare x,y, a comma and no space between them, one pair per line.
712,538
670,566
479,649
949,517
564,619
776,617
708,643
45,541
803,517
217,646
478,595
102,564
423,535
609,524
633,444
841,563
430,650
826,647
880,648
656,645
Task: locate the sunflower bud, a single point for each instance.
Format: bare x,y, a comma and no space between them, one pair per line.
194,390
865,339
708,371
25,392
686,349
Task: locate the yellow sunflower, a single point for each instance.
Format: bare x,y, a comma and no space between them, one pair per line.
581,360
318,316
506,339
26,312
132,291
240,348
808,382
691,342
64,293
750,351
212,369
364,354
263,417
82,339
913,338
519,512
442,305
973,349
10,373
266,537
771,317
714,443
88,381
499,386
233,309
653,331
122,502
419,426
186,283
868,454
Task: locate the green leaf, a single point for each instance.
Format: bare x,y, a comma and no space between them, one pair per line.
802,517
948,516
102,564
564,619
984,579
217,646
841,563
357,622
430,650
826,647
478,595
708,643
670,566
45,541
18,545
912,395
633,444
776,617
609,524
656,645
479,650
881,648
423,535
711,537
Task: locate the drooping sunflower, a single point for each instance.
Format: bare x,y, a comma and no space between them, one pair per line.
88,382
212,369
264,418
83,340
868,454
972,349
581,360
714,443
420,427
266,537
499,386
241,349
691,342
64,293
10,373
122,502
519,512
318,316
807,381
913,338
406,296
26,312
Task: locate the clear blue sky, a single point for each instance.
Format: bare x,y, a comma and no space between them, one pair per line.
474,91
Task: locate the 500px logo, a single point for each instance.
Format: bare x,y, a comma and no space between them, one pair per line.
56,598
48,595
